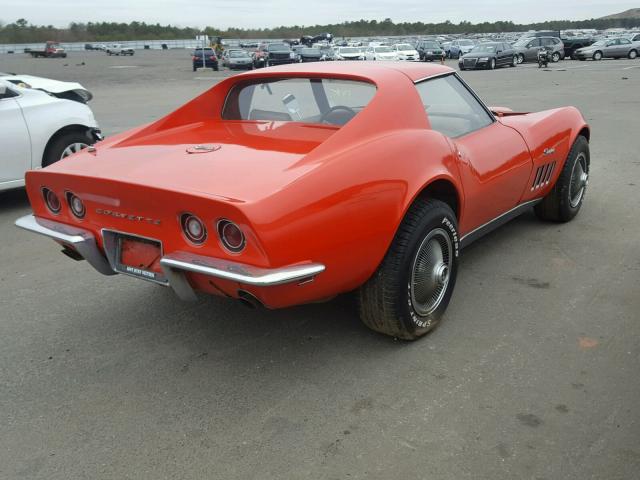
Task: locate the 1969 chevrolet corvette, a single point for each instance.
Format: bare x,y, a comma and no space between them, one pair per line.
294,184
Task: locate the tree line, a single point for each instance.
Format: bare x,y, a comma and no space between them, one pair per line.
21,31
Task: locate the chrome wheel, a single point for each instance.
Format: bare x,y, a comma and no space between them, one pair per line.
430,272
73,148
578,181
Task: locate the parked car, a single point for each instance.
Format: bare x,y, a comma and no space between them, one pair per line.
117,49
634,37
309,54
380,53
459,47
237,59
312,180
609,48
277,53
405,51
571,44
349,53
328,53
527,48
429,50
51,50
489,56
204,57
43,121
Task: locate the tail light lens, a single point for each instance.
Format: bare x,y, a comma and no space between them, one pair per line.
231,236
51,200
76,205
212,57
193,228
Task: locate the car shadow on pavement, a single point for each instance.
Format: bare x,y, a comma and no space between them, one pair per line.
13,200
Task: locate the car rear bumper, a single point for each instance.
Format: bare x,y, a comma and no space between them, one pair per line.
177,266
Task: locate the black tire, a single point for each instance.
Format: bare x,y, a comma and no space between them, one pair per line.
387,300
492,64
520,58
514,62
555,57
562,203
58,145
216,68
597,56
632,54
195,68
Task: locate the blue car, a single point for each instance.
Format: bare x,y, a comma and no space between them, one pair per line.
459,47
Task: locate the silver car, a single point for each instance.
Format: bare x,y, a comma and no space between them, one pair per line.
609,48
527,48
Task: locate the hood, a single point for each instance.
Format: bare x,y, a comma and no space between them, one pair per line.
240,161
55,87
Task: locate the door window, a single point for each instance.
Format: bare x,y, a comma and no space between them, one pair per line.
451,108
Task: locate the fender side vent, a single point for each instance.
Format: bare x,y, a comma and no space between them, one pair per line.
543,175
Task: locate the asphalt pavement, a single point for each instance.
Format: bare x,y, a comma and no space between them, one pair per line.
533,373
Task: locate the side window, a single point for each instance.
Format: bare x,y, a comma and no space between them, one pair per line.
6,92
451,107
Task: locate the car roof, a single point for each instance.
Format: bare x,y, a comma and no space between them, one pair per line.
372,70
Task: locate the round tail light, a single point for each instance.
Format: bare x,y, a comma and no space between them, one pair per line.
76,205
193,228
52,200
231,236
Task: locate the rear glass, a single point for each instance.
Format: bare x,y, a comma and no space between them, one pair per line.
309,100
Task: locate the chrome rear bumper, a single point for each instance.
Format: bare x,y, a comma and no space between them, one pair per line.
175,264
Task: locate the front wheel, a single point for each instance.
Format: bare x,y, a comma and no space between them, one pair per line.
520,58
408,294
492,64
514,61
563,202
65,145
597,56
632,54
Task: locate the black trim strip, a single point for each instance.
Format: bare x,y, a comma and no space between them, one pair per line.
491,225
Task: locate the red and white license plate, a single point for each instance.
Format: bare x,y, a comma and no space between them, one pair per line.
139,257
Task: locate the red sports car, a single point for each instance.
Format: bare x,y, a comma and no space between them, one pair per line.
294,184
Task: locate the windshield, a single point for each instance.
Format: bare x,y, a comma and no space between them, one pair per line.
308,100
382,49
600,43
484,49
349,50
278,46
404,46
238,53
522,42
311,51
431,45
465,42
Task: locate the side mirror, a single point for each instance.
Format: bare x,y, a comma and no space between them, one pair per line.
499,51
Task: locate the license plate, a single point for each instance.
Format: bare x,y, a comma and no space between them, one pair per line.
139,257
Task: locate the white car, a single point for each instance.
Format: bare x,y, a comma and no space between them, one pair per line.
117,49
380,53
349,53
405,51
41,122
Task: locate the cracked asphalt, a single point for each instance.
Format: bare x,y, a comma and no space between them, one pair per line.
533,374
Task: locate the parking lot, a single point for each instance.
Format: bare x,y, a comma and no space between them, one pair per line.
533,374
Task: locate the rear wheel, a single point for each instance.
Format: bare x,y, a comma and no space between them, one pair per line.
408,294
555,57
492,64
65,145
563,202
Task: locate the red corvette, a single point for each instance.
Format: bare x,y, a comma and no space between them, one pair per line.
294,184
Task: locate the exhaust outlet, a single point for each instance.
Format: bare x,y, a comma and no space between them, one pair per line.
249,299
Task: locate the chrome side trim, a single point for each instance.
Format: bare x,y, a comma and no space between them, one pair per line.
79,239
500,220
176,264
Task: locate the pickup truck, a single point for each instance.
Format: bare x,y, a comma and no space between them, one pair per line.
117,49
51,50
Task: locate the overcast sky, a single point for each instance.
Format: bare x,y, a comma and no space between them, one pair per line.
270,13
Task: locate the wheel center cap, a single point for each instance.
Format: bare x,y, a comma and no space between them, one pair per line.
441,273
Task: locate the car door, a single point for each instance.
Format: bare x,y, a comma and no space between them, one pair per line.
531,52
493,159
501,55
14,138
623,47
610,49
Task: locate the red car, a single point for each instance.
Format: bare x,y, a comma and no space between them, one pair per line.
297,183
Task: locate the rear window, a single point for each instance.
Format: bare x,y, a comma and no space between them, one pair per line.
309,100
